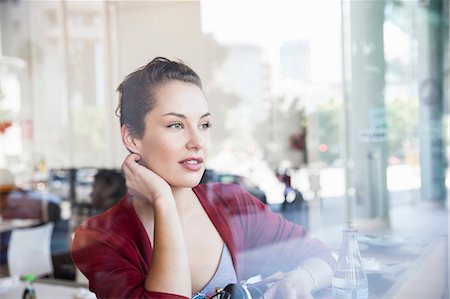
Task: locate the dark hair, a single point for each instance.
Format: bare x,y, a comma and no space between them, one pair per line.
138,90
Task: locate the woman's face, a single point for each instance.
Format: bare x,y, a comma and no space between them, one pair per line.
177,139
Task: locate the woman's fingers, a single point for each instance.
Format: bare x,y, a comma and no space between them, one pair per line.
284,290
131,161
143,182
130,169
271,292
290,291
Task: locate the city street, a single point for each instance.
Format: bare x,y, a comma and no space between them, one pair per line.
327,212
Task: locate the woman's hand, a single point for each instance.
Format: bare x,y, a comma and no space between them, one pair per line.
144,183
295,284
169,248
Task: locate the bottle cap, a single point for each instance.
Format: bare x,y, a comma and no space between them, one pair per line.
28,277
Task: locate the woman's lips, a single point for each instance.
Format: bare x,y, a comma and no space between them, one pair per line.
192,164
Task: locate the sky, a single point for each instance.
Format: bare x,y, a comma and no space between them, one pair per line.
270,23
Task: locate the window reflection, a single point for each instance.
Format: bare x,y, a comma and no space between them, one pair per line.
285,88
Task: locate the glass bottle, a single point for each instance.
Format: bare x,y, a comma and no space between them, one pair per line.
29,292
350,279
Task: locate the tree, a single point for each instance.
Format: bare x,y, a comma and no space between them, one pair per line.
402,119
328,117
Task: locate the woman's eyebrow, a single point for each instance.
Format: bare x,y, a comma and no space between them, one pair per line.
184,116
175,114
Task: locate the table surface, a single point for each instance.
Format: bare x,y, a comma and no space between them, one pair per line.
404,261
408,269
10,224
417,263
12,288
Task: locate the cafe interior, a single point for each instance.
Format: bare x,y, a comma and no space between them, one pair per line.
344,102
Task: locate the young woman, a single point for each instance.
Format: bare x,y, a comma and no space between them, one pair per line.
171,237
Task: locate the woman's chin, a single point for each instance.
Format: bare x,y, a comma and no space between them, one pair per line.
186,183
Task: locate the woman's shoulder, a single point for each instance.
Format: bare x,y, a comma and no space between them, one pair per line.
117,229
118,219
226,195
219,190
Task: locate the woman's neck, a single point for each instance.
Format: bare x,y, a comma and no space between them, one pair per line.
183,200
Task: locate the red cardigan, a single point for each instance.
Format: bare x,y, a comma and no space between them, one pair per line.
114,252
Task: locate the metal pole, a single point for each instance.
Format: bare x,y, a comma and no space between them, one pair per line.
345,153
430,78
367,132
65,86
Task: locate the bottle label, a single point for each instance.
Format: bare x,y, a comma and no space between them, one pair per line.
339,293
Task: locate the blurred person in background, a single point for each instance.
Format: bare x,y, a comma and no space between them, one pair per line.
108,188
284,177
171,237
294,208
293,202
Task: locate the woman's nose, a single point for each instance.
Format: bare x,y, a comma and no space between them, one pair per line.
195,140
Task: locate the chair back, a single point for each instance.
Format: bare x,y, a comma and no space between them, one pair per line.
29,250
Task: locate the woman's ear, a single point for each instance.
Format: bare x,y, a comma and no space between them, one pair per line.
131,142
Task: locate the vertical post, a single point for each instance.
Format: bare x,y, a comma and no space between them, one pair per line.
108,48
430,77
345,115
367,138
65,73
113,10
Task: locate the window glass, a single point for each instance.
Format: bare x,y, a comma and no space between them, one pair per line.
342,104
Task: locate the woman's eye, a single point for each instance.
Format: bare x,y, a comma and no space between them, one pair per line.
206,125
176,126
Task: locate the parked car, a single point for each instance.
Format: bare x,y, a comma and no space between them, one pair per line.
228,178
73,184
